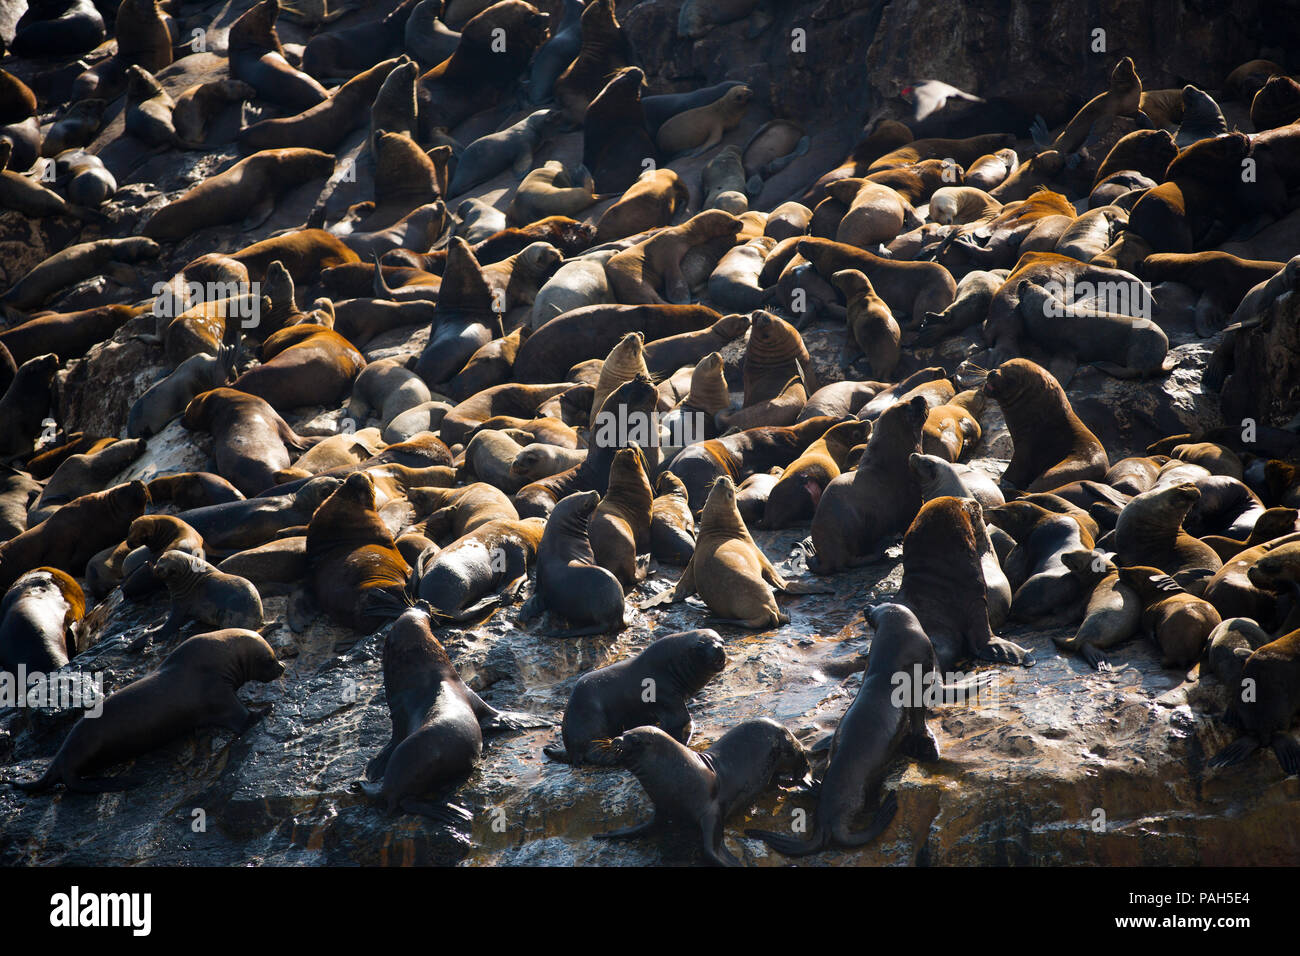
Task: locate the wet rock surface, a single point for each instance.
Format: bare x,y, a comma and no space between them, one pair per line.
1057,764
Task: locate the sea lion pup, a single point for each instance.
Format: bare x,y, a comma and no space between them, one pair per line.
620,526
246,191
880,724
549,190
672,525
1179,623
72,264
937,477
75,533
537,460
79,475
609,700
569,582
1112,613
200,104
650,272
257,58
237,525
733,283
464,321
879,498
303,365
250,441
509,399
1266,713
701,789
150,537
438,723
52,27
615,141
1120,345
652,201
168,398
1149,533
193,688
1044,586
742,454
604,50
26,402
1122,98
795,496
324,125
38,620
945,555
494,49
452,512
358,576
481,569
200,592
696,131
1052,447
1231,644
384,390
192,489
728,570
871,324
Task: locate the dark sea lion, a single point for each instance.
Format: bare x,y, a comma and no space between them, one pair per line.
615,142
798,491
877,726
603,50
438,724
609,700
148,539
481,569
1112,612
25,404
569,582
58,28
79,475
1266,714
879,498
38,619
1149,533
672,525
245,523
73,264
193,489
200,592
701,789
944,583
464,320
1178,622
195,687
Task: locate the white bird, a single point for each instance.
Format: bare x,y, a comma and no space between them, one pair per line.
929,96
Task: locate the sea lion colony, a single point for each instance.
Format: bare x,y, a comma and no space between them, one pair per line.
527,407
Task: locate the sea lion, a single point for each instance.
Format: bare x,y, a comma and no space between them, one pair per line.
303,365
879,498
1112,613
569,582
358,576
72,265
150,413
549,190
938,476
796,494
464,320
703,789
1229,647
603,51
194,687
1276,104
910,289
58,27
38,619
149,111
512,148
620,526
656,197
232,526
615,142
1179,623
257,58
1120,345
76,127
702,128
75,533
250,441
871,324
609,700
197,106
452,512
944,555
1266,714
650,272
1044,586
728,570
26,402
192,489
878,725
672,525
200,592
438,723
247,191
1122,98
79,475
1149,533
733,284
777,375
1051,446
481,569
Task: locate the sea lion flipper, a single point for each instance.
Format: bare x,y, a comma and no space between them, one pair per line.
259,212
1005,652
806,587
558,754
1235,752
514,720
451,815
1039,133
302,610
1287,751
921,745
635,829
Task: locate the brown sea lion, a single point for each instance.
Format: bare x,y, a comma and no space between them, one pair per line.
250,441
620,526
1179,623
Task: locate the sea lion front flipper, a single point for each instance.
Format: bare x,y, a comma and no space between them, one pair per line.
635,829
1039,132
921,745
301,611
884,814
1287,751
259,212
806,587
1235,752
558,754
714,849
376,766
1094,657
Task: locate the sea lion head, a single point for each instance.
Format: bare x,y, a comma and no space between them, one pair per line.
129,498
176,566
360,488
669,484
898,641
851,282
635,748
313,492
732,326
571,514
714,224
1089,564
707,654
925,468
256,657
540,259
1277,570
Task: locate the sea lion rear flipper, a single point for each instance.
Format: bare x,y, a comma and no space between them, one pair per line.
635,829
1287,751
714,849
1005,652
451,815
788,844
885,813
1039,133
921,745
558,754
1235,752
513,720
